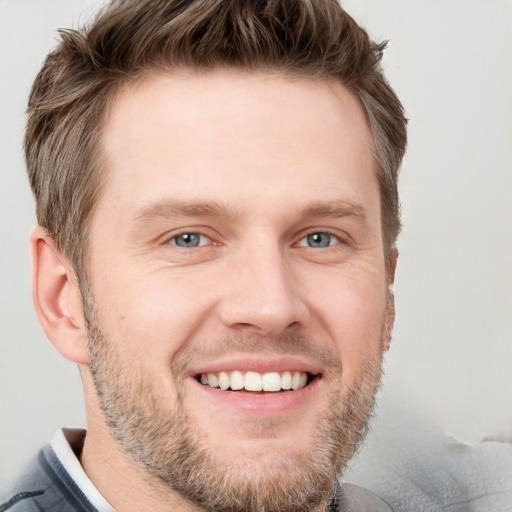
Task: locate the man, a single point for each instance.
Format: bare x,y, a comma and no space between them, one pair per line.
216,192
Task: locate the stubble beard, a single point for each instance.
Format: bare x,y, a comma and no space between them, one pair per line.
168,446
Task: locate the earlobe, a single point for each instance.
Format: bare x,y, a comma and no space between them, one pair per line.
389,321
390,308
56,297
391,267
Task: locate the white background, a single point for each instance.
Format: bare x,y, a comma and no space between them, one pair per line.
451,355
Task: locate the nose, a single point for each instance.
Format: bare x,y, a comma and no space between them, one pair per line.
263,294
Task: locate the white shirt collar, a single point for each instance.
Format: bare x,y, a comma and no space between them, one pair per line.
61,444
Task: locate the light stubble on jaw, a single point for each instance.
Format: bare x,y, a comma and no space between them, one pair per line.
168,447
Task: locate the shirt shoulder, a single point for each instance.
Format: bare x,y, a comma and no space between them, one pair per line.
44,486
352,498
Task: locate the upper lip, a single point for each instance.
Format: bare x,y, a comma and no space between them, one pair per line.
257,363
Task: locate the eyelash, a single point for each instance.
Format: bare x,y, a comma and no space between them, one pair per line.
327,232
172,240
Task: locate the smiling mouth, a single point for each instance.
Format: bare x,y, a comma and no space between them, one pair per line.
255,382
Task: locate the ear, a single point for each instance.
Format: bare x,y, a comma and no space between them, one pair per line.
391,267
57,298
390,309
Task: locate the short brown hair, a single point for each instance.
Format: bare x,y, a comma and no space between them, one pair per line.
70,97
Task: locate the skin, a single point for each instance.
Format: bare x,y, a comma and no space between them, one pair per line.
254,163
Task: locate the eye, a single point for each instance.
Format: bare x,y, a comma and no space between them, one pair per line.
319,240
189,240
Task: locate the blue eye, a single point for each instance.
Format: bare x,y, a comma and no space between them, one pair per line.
189,240
319,240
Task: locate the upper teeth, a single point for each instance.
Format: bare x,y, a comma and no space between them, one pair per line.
253,381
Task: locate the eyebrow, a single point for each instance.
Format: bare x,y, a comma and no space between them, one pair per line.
333,209
174,208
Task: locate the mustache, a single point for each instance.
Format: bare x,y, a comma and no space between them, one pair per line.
284,344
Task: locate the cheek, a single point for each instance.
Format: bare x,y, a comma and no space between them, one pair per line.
152,316
351,309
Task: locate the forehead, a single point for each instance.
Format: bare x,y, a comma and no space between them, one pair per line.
235,135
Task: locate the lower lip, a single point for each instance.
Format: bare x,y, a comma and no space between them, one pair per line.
261,403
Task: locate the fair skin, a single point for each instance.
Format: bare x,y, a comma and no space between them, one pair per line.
275,178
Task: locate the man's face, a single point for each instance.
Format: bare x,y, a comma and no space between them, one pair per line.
237,246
